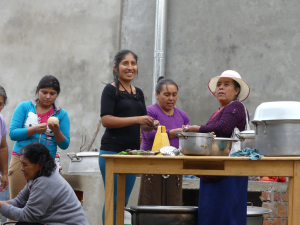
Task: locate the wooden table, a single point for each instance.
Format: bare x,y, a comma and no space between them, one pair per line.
198,165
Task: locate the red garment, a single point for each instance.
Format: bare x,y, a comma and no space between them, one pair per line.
274,179
43,117
214,114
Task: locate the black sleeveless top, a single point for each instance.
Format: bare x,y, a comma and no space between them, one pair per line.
122,105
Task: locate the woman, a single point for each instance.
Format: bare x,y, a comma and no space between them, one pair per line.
29,124
3,144
163,189
123,113
223,200
47,197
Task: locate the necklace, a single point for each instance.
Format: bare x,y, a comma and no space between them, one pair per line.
125,88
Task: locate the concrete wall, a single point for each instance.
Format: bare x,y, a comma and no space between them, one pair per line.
74,40
259,39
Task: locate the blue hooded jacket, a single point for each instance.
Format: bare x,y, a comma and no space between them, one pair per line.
25,116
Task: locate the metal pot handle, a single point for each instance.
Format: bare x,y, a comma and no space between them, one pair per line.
241,138
130,210
73,157
180,135
265,124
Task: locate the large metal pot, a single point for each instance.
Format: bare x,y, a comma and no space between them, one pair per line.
277,137
277,127
83,162
187,215
247,139
163,215
203,144
255,215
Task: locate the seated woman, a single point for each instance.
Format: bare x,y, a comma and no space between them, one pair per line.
47,197
223,200
163,189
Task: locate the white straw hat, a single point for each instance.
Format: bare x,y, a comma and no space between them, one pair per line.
245,89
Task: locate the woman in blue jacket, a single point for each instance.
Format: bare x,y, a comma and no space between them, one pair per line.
29,124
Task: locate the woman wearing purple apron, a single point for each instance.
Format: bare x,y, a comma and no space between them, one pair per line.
223,200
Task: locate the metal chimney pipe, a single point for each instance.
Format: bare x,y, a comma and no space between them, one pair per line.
159,43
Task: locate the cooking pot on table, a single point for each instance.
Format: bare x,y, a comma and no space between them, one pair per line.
187,215
203,144
277,126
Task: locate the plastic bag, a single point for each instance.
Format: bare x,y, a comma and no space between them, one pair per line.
161,139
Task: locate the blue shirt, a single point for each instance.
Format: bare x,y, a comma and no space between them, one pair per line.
25,116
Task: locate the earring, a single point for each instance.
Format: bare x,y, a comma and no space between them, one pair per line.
40,173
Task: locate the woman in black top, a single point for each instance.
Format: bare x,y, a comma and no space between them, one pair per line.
123,113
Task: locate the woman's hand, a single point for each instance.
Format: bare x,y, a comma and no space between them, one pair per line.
155,125
172,132
193,128
146,120
4,183
40,128
54,127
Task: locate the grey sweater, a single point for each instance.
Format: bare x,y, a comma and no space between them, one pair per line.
48,200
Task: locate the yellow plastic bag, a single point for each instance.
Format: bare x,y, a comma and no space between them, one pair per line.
161,139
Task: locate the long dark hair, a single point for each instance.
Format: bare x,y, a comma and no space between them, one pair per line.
49,81
164,81
3,94
37,152
118,58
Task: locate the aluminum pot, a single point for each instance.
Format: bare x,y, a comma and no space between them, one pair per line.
83,162
247,139
163,215
203,144
194,143
255,215
187,215
277,137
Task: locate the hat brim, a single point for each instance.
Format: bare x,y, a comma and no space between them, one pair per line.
244,92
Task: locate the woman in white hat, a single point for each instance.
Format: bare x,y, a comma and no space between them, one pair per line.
223,200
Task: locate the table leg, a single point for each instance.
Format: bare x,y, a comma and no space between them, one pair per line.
121,199
290,204
109,192
296,194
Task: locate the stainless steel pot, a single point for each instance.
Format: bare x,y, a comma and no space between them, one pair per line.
203,144
277,137
163,215
247,139
195,143
187,215
83,162
255,215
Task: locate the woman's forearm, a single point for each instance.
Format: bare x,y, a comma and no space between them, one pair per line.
172,133
119,122
59,137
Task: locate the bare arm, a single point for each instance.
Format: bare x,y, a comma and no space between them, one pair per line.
110,121
40,128
4,164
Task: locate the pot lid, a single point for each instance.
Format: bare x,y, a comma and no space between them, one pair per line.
80,154
256,211
165,209
282,110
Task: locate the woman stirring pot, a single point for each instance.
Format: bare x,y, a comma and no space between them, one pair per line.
223,200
